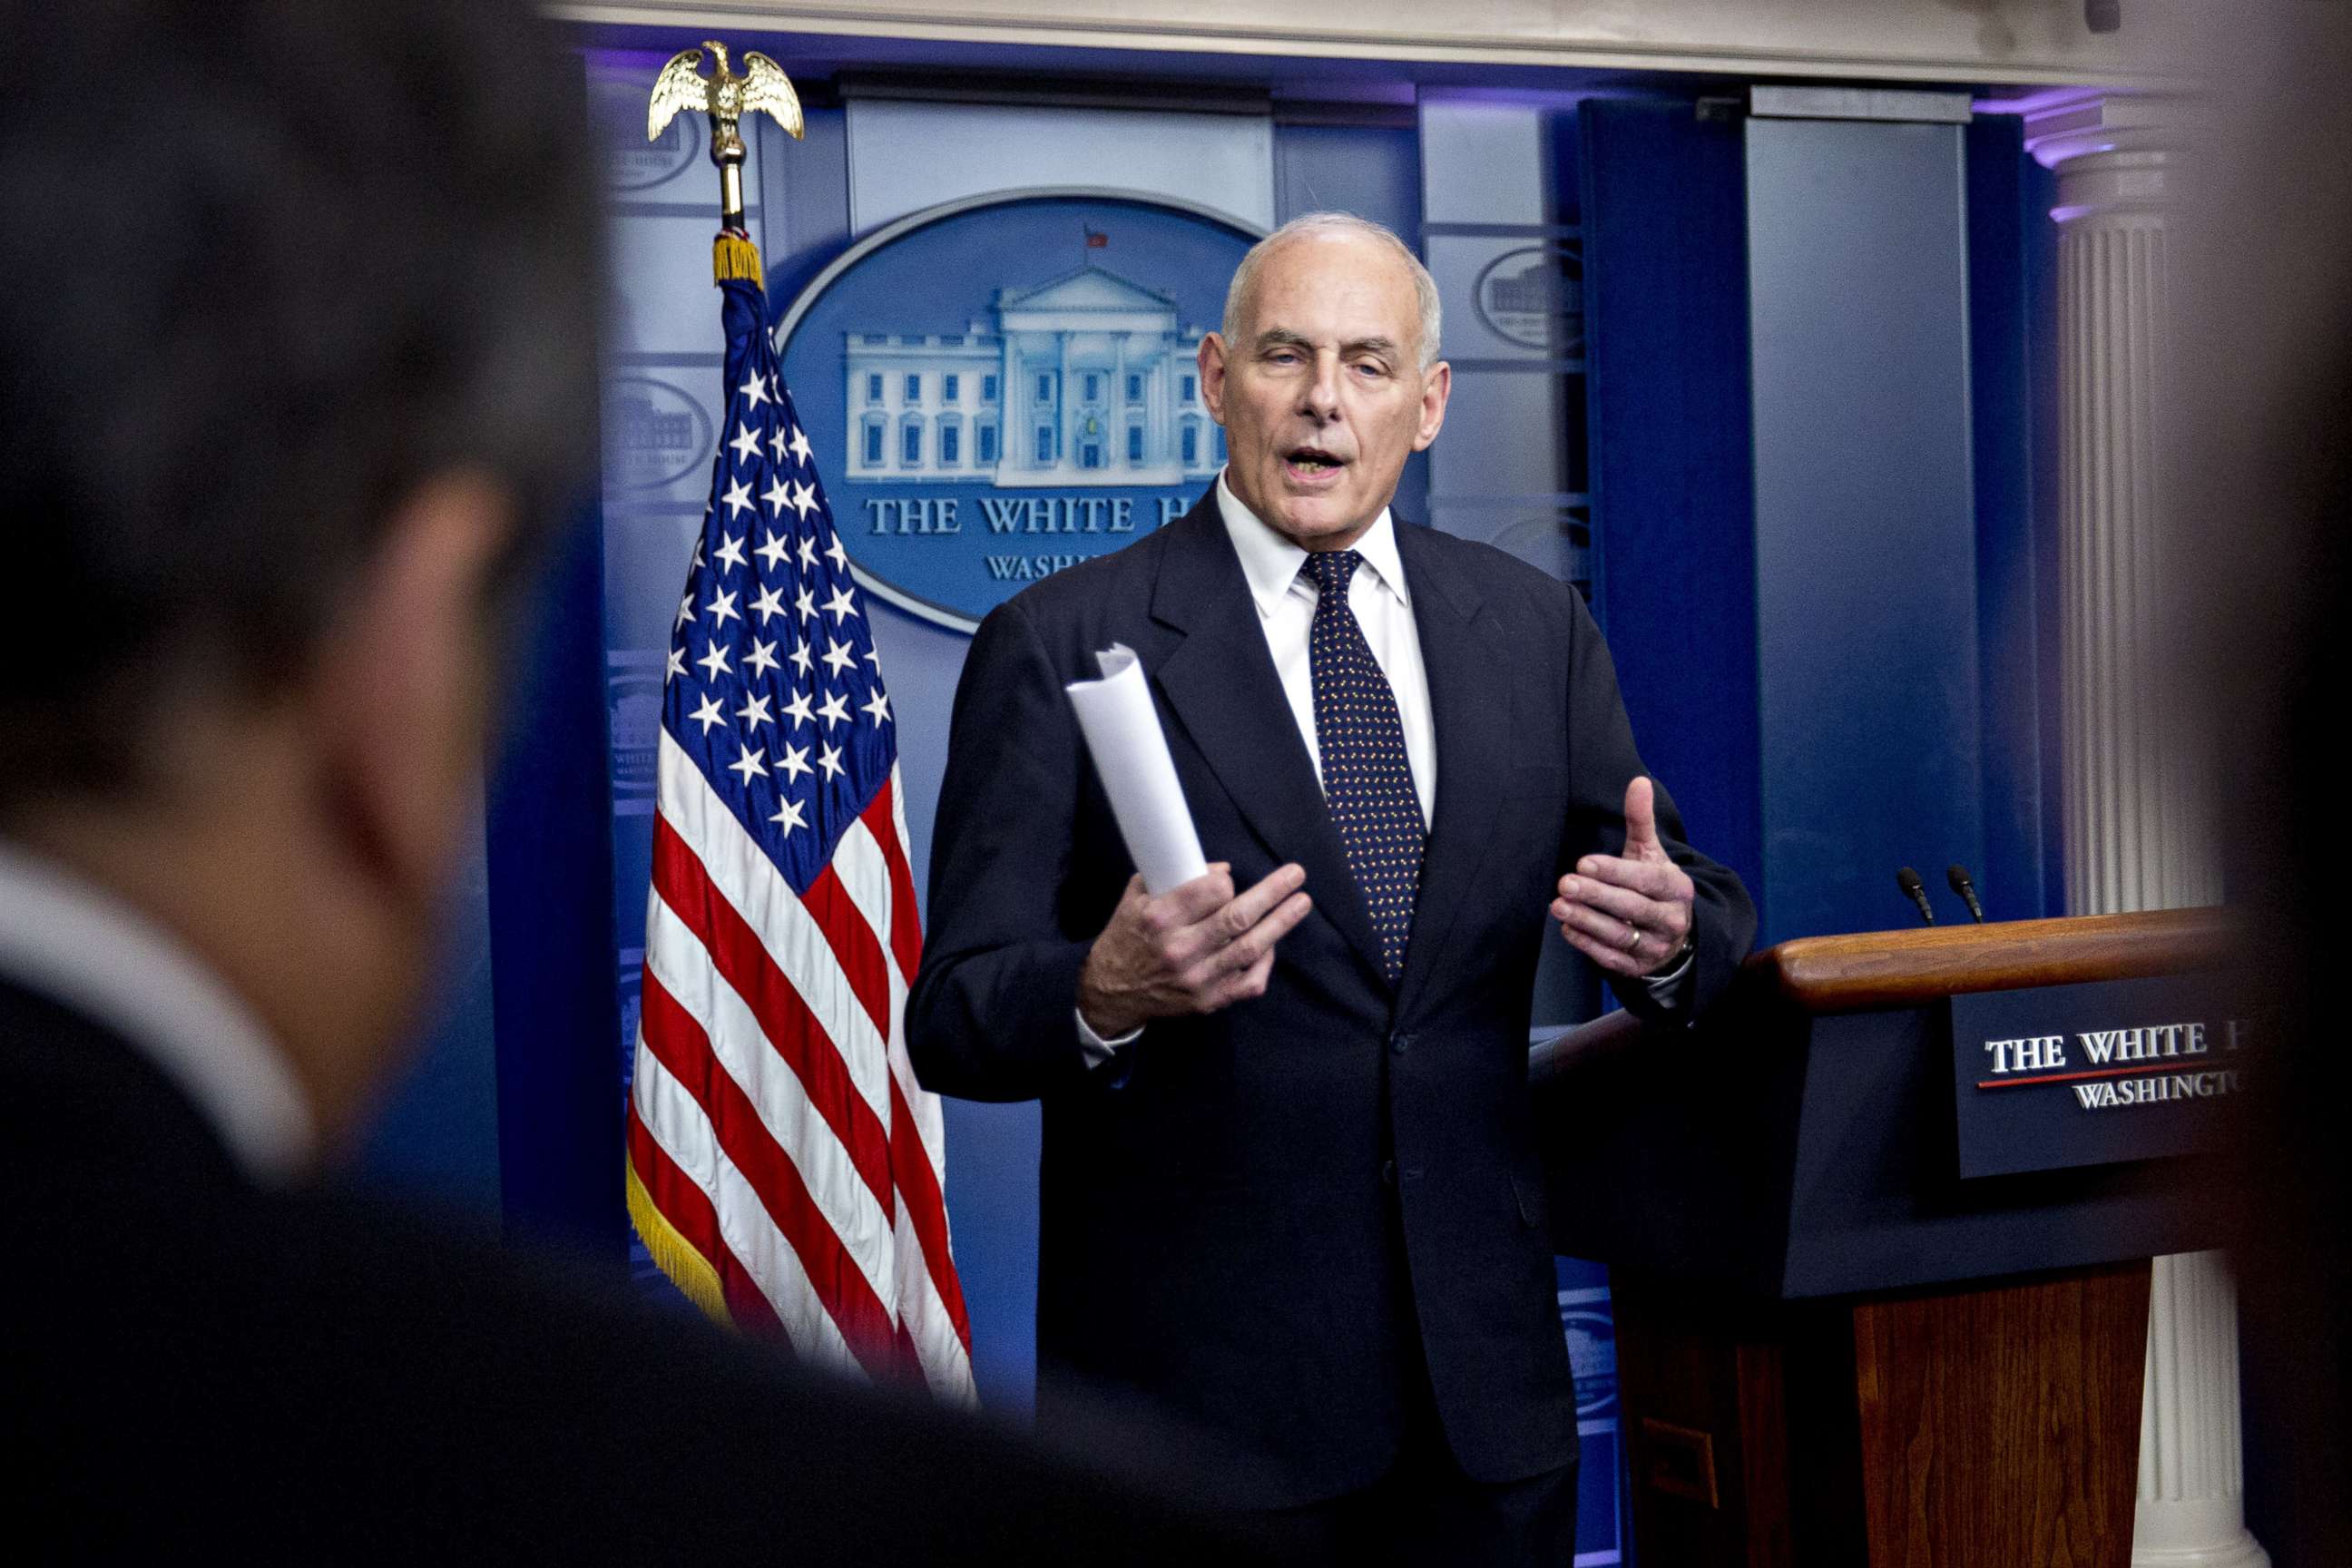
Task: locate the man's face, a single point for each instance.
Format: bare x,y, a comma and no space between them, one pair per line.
1323,397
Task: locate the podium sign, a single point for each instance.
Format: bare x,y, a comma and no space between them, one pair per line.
2096,1073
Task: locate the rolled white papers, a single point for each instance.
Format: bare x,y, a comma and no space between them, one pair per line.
1122,730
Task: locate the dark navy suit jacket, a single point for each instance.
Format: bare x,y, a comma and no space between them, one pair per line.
1259,1219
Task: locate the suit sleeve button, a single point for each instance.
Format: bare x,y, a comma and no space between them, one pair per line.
1400,1043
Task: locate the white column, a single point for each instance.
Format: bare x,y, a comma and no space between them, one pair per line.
2139,834
1116,436
1012,418
1065,420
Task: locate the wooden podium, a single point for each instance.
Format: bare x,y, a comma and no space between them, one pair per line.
1831,1349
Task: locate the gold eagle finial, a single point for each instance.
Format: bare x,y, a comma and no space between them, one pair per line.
726,96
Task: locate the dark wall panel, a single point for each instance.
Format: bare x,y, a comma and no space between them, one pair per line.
1666,312
551,894
2004,213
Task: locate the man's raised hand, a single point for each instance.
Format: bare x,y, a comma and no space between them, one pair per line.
1629,913
1193,949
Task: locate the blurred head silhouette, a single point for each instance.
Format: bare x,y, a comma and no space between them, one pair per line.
292,379
2260,491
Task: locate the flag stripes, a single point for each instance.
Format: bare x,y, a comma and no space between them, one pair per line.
682,1217
734,1043
786,1024
841,1286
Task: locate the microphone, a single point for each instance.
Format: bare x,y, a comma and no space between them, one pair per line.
1958,876
1908,880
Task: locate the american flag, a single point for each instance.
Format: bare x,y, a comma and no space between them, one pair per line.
785,1168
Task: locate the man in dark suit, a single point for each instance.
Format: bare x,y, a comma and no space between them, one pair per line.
1290,1188
292,385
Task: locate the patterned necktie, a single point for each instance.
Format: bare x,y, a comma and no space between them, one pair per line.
1367,780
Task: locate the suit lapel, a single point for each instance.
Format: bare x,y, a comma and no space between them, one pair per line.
1463,652
1219,683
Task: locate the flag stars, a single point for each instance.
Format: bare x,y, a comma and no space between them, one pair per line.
768,518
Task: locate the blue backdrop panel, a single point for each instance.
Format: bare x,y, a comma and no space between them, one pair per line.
1865,515
551,894
2007,200
1500,204
1666,303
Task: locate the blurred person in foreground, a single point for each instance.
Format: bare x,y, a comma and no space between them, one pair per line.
2259,495
291,380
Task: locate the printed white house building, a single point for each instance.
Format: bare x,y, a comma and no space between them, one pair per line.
1085,380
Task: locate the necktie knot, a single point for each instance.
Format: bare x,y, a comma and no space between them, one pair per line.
1331,570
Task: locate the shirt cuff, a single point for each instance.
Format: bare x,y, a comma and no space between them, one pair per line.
1099,1050
1669,989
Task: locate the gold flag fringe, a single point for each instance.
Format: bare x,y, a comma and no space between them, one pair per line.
734,259
675,1256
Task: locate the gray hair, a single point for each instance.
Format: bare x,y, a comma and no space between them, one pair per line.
1424,288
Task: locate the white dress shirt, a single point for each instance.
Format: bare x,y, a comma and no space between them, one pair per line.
1382,603
1286,599
64,940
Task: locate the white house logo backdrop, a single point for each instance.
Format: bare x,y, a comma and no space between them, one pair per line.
1008,387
